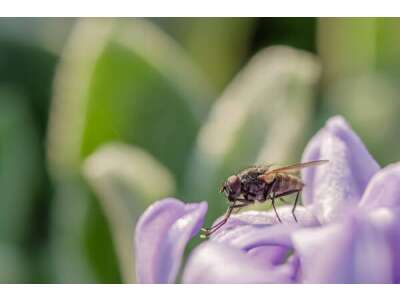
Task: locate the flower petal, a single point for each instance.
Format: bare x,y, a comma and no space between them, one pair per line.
271,255
213,262
162,233
383,189
246,237
352,251
331,188
388,221
261,218
268,245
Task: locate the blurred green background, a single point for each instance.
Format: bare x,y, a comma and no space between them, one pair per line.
101,117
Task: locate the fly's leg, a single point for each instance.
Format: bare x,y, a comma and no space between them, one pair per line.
225,219
239,206
214,228
273,205
211,230
270,189
295,201
294,206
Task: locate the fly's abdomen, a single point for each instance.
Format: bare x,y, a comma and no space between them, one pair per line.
285,183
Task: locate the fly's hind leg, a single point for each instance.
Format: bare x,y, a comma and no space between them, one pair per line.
270,189
294,205
295,201
273,205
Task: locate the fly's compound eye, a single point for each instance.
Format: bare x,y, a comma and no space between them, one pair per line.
234,185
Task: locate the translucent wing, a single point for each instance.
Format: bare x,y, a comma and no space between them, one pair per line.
297,167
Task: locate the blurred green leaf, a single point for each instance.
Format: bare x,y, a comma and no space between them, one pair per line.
125,80
70,211
388,45
218,45
13,264
45,33
259,118
26,72
347,46
361,67
19,155
19,180
356,46
371,104
121,80
126,180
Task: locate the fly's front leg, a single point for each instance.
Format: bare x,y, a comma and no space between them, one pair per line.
214,228
211,230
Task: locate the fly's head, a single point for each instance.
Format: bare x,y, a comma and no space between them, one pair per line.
232,187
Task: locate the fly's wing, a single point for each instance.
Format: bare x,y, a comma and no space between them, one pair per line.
297,167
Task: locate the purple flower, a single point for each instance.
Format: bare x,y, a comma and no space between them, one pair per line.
348,229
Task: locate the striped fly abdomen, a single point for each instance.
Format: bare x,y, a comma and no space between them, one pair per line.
286,182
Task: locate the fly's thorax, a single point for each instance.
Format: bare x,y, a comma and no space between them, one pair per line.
256,190
252,187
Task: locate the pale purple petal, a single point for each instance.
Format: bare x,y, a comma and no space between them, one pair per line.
213,262
331,188
389,222
161,235
354,250
268,245
250,231
383,189
260,218
270,255
246,237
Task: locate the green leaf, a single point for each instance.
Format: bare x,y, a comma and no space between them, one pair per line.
19,156
229,37
125,80
46,34
13,264
347,46
370,104
357,46
118,80
126,180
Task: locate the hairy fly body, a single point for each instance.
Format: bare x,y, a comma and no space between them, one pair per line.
259,184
